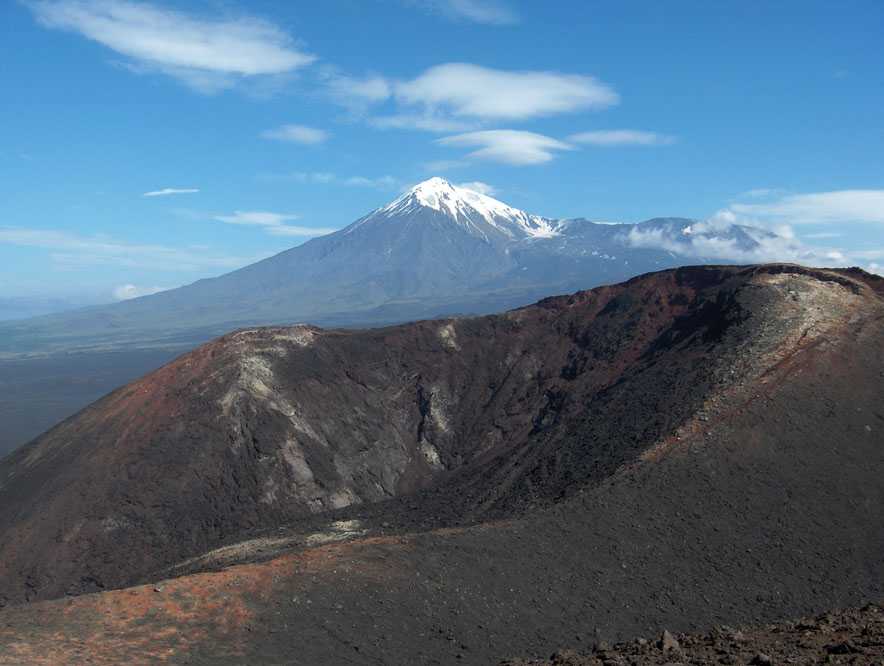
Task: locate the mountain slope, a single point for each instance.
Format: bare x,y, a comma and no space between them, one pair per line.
438,249
481,418
764,503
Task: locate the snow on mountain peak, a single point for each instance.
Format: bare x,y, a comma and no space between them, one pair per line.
469,209
436,193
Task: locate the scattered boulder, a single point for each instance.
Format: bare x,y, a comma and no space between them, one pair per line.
668,642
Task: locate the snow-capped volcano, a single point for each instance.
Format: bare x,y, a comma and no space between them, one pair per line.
475,212
438,248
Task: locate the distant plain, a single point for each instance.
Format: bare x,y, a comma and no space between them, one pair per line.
37,393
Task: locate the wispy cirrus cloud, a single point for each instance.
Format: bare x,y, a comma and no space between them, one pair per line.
490,12
126,292
512,147
822,235
837,206
760,193
354,93
77,251
427,123
169,191
381,182
302,134
275,224
438,166
622,137
327,178
208,54
257,218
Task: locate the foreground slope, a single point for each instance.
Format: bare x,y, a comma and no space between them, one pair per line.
467,420
700,447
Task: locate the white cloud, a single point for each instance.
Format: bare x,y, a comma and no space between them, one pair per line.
437,166
718,237
169,191
869,255
72,250
467,90
354,93
480,187
312,177
822,235
207,54
508,146
623,137
289,230
326,178
427,123
127,292
818,208
272,223
760,193
706,243
297,134
461,97
488,12
780,212
256,218
383,182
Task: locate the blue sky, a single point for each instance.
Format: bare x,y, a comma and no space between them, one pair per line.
293,118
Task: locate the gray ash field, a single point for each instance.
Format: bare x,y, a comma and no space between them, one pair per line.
691,448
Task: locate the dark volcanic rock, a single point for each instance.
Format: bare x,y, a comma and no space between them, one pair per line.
676,479
686,414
